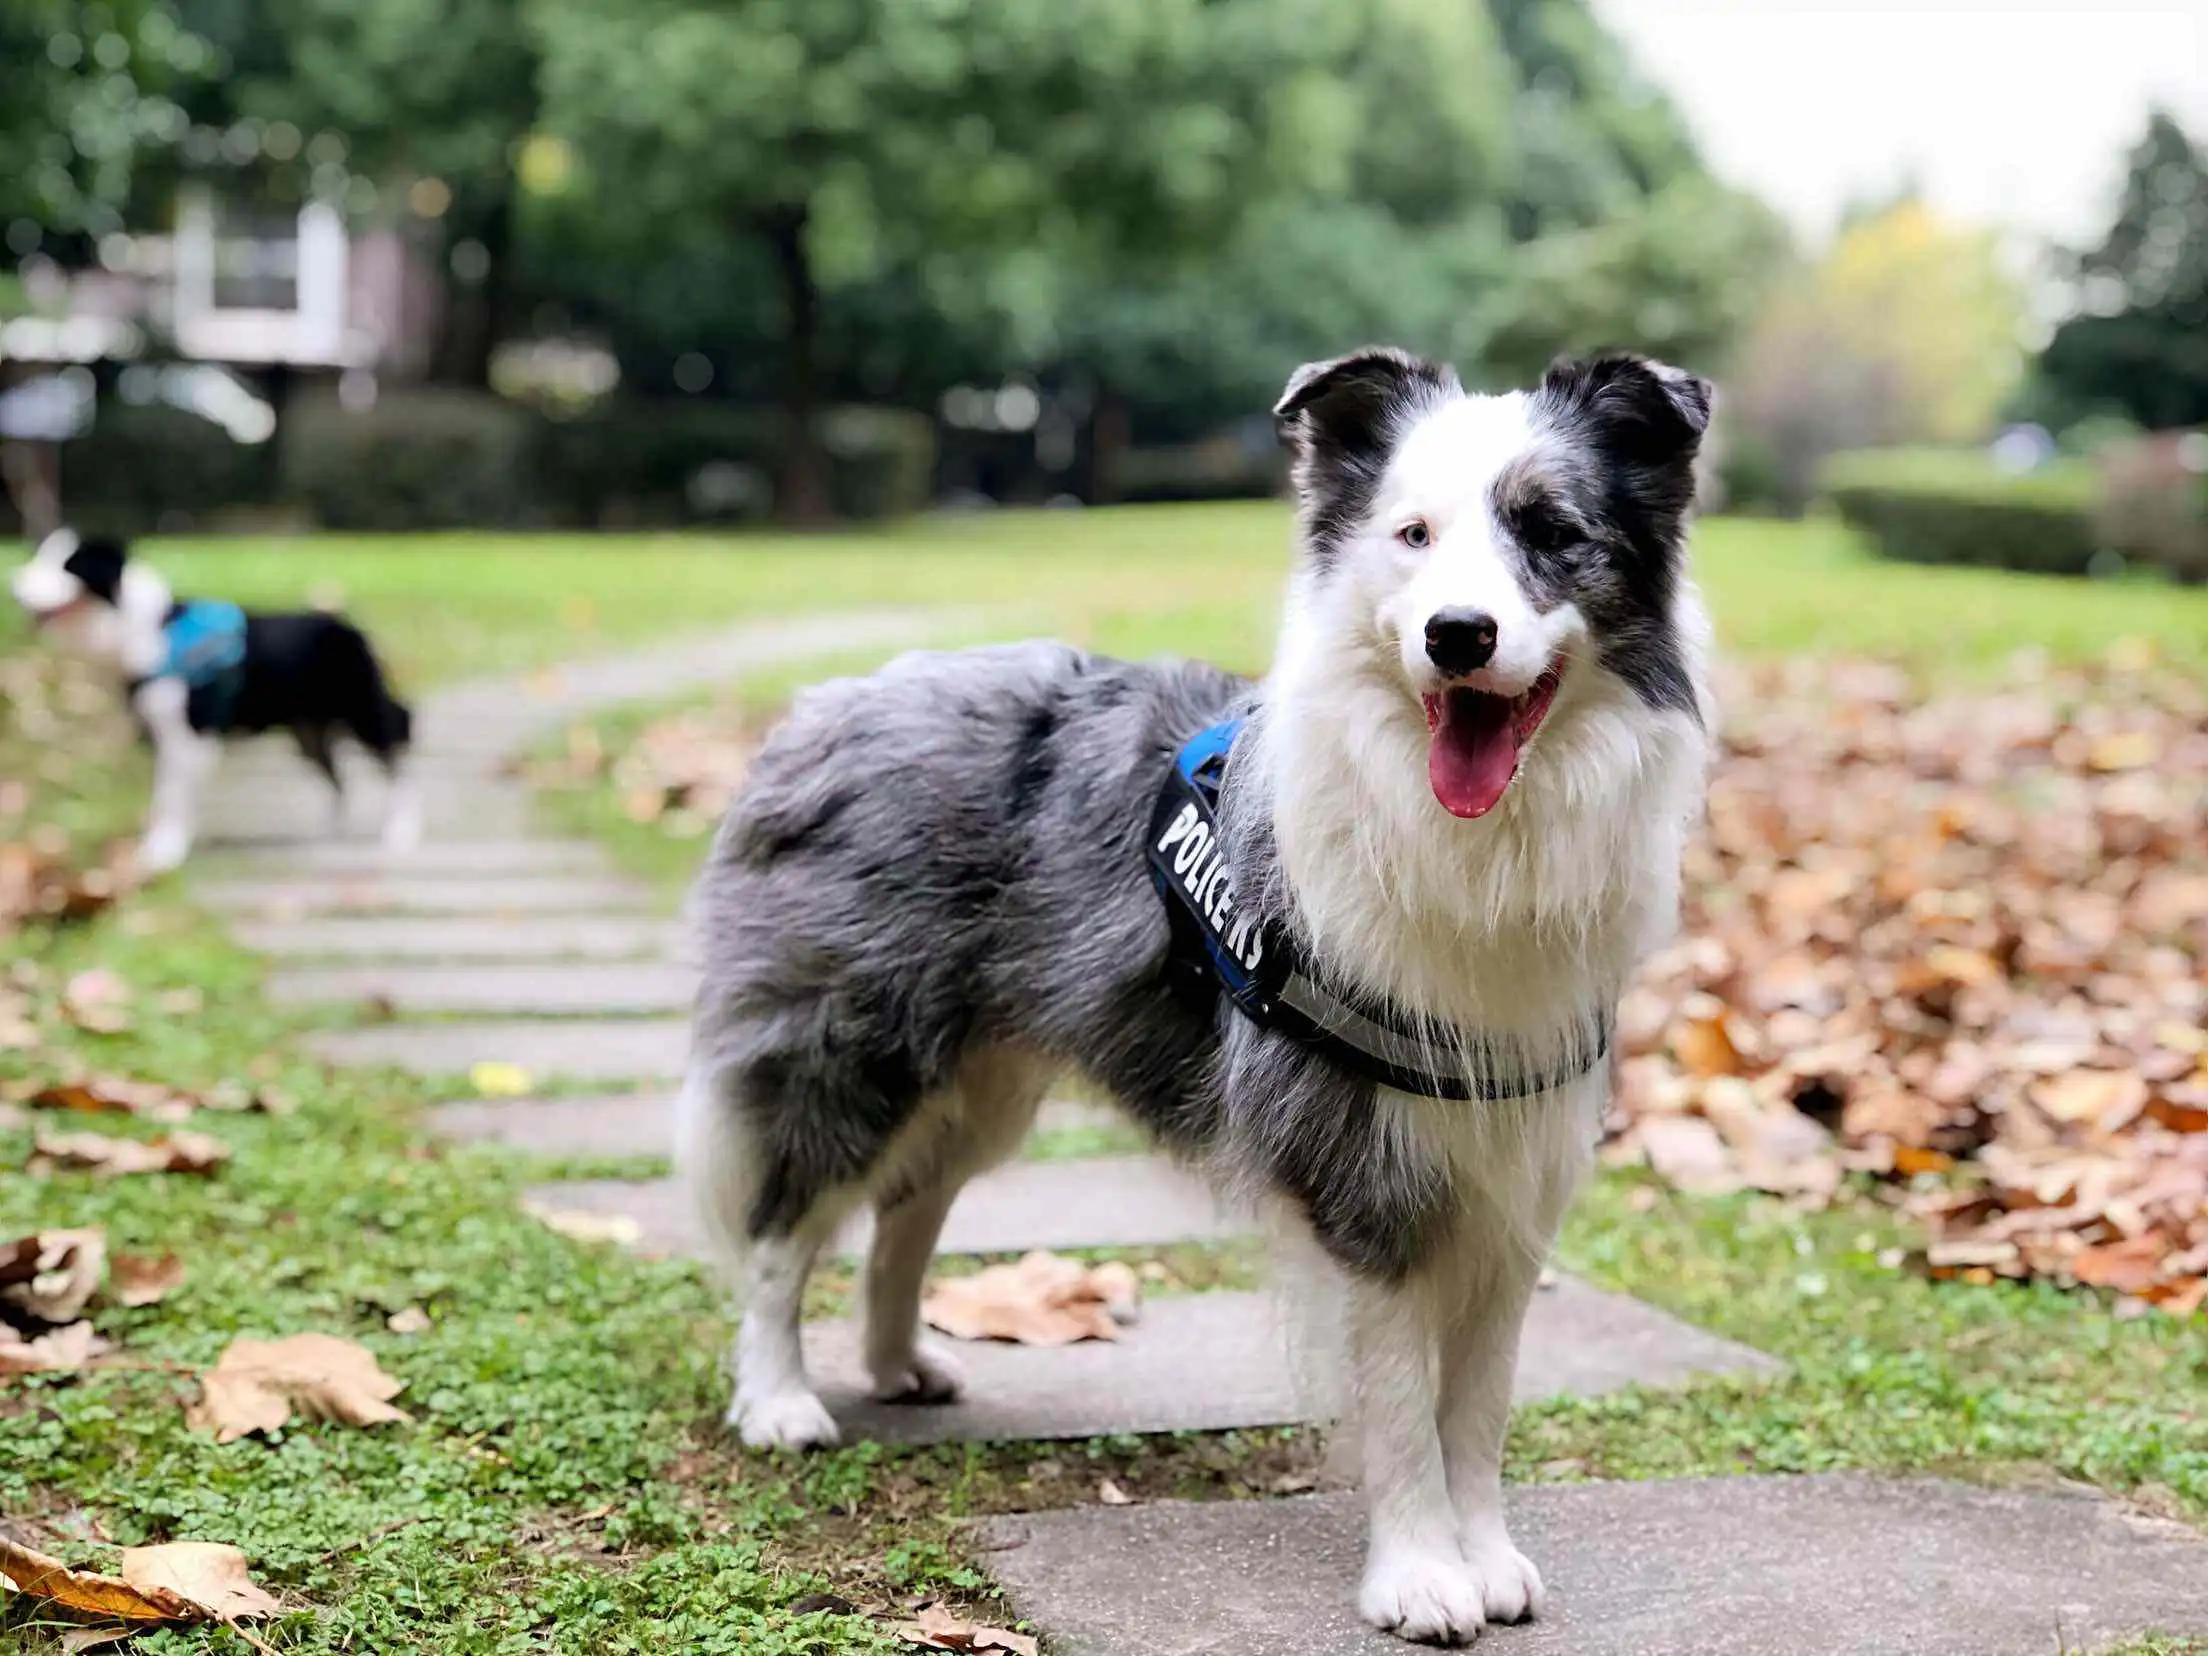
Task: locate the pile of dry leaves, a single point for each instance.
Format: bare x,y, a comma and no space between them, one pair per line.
1956,944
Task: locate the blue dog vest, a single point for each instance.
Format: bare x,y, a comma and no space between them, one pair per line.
1218,948
205,641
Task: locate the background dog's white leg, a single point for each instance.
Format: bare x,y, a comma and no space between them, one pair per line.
182,759
1416,1581
1479,1358
901,1364
776,1406
402,817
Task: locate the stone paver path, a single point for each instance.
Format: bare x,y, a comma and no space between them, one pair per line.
548,893
1811,1566
605,986
464,937
1099,1202
577,1049
492,943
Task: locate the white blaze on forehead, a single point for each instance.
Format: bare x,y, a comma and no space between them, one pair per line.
1447,459
1443,471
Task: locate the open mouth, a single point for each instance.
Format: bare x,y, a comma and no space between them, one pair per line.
1477,739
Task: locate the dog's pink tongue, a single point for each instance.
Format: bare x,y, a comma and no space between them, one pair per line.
1475,753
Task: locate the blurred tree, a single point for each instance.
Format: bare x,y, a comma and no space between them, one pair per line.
1679,274
843,138
84,99
2139,343
433,100
1908,330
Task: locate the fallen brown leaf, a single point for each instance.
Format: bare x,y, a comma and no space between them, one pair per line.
206,1574
107,1155
256,1384
113,1095
937,1628
53,1275
88,1593
58,1351
135,1280
97,1001
1042,1300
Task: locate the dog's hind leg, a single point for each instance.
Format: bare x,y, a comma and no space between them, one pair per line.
728,1170
977,1123
318,749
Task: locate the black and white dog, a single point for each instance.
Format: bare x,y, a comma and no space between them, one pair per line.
1352,938
196,672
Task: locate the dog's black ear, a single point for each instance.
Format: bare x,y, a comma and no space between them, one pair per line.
98,564
1350,402
1341,419
1638,409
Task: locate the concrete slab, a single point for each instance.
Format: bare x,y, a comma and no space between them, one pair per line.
394,893
1210,1362
499,714
622,1124
1104,1202
293,813
624,1049
1817,1566
471,937
434,858
607,988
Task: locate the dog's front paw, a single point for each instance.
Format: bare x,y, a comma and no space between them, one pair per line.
162,850
927,1374
1510,1587
1427,1597
784,1420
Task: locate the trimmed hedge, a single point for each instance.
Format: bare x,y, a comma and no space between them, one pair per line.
2154,502
419,459
439,458
1944,506
155,467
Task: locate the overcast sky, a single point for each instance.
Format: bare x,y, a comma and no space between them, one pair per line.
2010,114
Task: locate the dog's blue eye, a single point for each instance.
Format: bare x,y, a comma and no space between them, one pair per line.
1415,534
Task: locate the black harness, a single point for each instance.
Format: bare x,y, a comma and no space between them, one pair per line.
1220,949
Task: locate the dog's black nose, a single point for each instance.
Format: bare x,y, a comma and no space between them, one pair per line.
1460,641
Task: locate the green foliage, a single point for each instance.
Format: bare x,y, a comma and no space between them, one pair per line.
84,98
1907,331
1941,506
2139,345
419,459
1678,274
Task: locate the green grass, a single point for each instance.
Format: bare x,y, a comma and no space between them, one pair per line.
564,1485
1200,580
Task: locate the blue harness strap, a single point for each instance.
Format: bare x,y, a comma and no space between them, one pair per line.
206,649
1218,948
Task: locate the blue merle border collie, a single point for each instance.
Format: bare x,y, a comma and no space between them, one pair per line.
197,672
1455,807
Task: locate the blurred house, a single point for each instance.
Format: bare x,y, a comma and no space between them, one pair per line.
243,289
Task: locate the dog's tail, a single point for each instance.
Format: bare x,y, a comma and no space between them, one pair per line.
715,1161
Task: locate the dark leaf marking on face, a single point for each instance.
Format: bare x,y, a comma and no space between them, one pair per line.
1619,462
